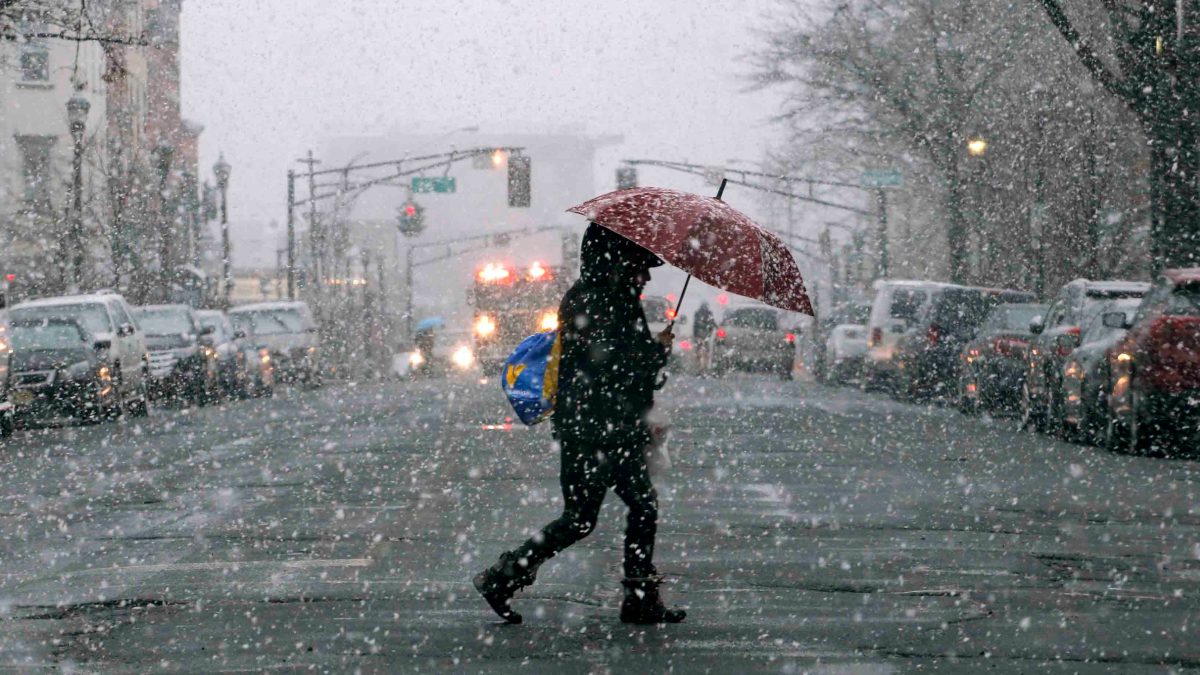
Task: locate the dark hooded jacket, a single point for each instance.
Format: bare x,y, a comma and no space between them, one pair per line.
609,362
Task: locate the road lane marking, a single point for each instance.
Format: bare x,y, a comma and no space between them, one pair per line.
203,566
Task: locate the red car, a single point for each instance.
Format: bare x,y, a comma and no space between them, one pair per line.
1154,386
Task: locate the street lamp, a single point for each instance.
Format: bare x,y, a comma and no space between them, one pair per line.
77,113
976,147
221,171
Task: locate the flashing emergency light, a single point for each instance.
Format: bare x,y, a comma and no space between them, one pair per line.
494,272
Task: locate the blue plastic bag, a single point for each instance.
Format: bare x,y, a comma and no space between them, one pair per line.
530,377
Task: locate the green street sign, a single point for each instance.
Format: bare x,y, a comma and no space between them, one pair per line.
442,184
881,178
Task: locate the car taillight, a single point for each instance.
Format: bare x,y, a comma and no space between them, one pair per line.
721,333
876,337
790,337
934,334
1068,341
684,345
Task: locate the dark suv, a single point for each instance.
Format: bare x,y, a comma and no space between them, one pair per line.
181,366
1055,336
1154,388
930,352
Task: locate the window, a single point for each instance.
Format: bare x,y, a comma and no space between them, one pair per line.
35,62
760,319
35,171
91,315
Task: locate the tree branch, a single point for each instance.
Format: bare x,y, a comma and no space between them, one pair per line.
130,40
1088,56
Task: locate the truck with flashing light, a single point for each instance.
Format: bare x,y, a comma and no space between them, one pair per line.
511,303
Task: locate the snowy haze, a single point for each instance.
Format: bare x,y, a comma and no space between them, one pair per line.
270,79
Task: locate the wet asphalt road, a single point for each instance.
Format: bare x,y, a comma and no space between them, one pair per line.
806,529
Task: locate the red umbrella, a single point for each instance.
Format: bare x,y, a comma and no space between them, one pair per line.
706,238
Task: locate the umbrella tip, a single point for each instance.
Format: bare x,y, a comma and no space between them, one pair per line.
721,190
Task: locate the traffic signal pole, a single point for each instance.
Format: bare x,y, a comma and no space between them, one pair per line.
291,234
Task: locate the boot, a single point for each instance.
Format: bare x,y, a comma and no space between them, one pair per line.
498,583
643,605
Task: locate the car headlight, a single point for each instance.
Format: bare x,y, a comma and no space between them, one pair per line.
462,357
485,326
548,321
264,356
415,359
1073,370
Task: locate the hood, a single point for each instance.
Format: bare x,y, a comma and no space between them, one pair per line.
607,258
176,341
285,342
48,359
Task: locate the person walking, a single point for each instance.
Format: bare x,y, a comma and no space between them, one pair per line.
606,382
703,328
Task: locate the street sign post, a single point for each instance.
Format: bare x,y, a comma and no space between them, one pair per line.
882,178
438,184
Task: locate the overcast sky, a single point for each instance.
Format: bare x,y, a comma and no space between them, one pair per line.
270,78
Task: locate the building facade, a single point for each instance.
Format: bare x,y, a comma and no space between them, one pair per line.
141,210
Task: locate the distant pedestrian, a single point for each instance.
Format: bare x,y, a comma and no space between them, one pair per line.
703,327
606,384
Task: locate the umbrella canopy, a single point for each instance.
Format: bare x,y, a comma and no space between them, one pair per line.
706,238
430,322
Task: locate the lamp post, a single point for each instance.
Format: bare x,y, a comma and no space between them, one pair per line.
221,171
77,112
164,154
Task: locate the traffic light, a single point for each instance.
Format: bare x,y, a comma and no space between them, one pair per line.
519,171
412,219
626,178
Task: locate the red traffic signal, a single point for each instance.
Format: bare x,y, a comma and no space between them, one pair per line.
410,209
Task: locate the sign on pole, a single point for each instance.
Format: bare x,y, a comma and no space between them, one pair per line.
440,184
882,178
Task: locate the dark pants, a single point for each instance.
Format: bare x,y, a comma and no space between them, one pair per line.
588,471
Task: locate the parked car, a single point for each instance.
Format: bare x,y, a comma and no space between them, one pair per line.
660,312
896,306
1085,374
993,362
854,312
6,420
1056,335
287,329
750,338
58,371
1154,389
243,367
181,366
844,351
929,353
107,318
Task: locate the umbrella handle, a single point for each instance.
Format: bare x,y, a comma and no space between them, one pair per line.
671,326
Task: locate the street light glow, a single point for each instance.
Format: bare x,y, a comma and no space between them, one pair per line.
977,146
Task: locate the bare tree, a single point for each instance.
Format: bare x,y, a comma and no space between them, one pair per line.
73,20
911,82
1152,65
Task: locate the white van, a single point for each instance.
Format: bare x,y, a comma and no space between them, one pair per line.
896,307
